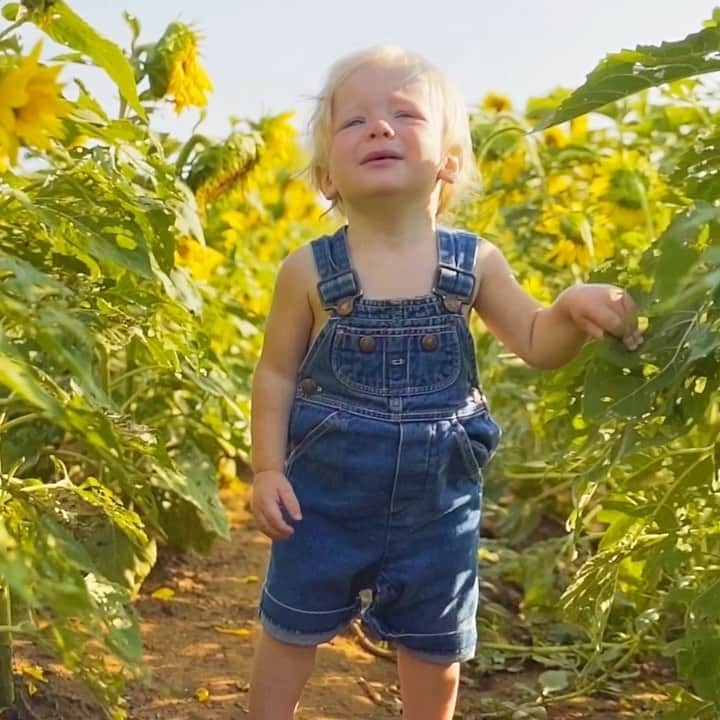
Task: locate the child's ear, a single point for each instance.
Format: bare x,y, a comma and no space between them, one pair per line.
450,167
325,183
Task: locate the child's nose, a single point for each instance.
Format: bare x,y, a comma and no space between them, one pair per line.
381,128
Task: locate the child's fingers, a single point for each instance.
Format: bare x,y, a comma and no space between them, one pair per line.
591,329
633,340
290,501
628,311
272,522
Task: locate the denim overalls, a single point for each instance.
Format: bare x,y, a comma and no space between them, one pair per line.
387,438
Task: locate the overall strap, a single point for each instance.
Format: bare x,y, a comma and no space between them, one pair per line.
339,285
455,276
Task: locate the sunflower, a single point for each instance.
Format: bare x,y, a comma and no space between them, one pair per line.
31,107
558,183
568,252
579,128
188,80
512,165
200,260
625,185
174,69
497,102
554,137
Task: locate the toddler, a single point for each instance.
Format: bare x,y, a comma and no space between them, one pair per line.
370,427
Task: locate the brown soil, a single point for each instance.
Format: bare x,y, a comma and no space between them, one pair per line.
188,655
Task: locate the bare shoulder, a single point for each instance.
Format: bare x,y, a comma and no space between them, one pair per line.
488,262
291,318
298,268
297,285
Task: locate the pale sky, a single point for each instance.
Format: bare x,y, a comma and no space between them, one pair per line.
267,57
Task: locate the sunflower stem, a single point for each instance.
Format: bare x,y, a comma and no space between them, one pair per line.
7,685
187,148
13,26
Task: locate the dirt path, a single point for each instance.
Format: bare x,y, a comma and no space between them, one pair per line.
201,672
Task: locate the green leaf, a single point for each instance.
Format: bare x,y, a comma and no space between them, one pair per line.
553,681
698,170
67,28
71,343
607,391
11,11
112,537
24,282
629,71
197,485
698,660
589,598
20,378
675,248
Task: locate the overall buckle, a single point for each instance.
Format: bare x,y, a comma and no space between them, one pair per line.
452,301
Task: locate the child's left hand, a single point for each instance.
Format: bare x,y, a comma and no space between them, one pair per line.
597,308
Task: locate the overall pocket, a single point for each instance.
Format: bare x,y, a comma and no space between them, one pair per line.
308,423
413,361
478,437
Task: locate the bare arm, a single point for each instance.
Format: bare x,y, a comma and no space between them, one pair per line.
544,337
287,332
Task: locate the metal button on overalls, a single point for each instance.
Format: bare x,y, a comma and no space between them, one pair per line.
345,306
429,341
309,386
367,343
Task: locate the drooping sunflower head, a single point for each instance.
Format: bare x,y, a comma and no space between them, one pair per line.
218,168
174,69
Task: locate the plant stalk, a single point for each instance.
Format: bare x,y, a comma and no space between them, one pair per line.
7,685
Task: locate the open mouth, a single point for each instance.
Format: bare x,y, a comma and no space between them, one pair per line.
379,155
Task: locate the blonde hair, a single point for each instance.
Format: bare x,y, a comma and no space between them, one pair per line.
456,125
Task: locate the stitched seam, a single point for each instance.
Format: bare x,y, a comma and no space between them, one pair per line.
306,612
463,440
390,417
393,332
392,500
317,431
445,634
377,390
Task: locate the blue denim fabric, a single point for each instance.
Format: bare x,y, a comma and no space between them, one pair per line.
387,438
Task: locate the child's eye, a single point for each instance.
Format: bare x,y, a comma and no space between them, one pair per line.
353,121
406,114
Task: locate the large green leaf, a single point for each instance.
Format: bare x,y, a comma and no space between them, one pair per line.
629,71
67,28
698,170
698,659
195,484
20,378
24,282
70,342
675,251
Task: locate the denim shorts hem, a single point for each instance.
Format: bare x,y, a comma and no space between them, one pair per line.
295,637
462,655
440,654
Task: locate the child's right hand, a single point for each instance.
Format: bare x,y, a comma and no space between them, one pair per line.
271,493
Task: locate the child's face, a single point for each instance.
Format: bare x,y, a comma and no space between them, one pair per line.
387,138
